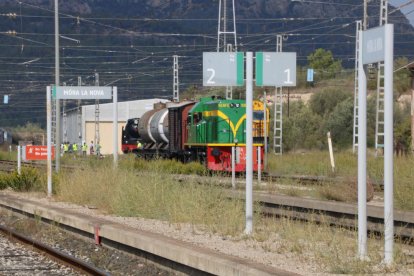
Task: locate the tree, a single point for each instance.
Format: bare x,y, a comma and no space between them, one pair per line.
325,101
402,77
324,63
300,129
340,123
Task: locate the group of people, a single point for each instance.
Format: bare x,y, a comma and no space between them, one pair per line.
67,148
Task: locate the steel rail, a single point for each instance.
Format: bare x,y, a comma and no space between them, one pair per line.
64,258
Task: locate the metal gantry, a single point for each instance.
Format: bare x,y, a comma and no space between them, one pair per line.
379,117
278,108
176,83
222,31
355,129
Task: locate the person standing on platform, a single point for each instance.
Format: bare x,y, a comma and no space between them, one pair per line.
91,148
65,147
75,148
84,148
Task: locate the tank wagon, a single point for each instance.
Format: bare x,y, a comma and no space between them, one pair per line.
203,131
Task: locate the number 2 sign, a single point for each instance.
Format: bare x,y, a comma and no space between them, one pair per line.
223,69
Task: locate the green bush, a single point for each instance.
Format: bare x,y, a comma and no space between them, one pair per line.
4,180
27,180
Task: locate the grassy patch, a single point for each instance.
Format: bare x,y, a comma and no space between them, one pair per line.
8,155
154,194
332,249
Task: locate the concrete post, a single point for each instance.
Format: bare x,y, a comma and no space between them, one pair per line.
49,140
362,157
249,143
233,167
115,122
19,159
388,145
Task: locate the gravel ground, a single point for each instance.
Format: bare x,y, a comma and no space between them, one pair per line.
243,247
17,259
113,261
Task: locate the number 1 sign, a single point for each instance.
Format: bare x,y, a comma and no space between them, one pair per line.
223,69
276,69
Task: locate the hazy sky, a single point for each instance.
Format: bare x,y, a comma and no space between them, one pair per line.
408,10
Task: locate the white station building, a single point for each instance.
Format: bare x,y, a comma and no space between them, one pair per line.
78,131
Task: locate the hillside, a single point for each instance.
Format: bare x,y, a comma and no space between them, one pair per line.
130,43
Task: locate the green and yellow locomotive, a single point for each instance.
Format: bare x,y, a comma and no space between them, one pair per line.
202,131
215,125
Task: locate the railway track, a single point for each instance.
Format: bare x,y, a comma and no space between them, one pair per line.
10,166
35,258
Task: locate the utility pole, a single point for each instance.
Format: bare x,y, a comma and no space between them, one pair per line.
380,110
97,137
65,120
365,21
356,111
79,115
57,82
226,47
278,108
176,83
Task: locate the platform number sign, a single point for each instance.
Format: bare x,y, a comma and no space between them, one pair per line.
223,69
276,69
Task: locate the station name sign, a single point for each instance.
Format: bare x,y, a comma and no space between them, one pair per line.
373,45
82,92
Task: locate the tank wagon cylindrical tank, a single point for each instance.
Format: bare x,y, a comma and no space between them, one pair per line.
159,126
144,125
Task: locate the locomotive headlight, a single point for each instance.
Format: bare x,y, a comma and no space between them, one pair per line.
236,141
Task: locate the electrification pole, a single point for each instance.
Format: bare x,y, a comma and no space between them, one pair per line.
97,134
278,110
176,84
57,82
412,107
226,47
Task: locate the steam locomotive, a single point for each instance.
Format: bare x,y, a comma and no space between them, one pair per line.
203,131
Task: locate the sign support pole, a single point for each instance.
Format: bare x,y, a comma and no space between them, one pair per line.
49,140
115,122
362,156
249,143
265,129
388,144
233,167
19,159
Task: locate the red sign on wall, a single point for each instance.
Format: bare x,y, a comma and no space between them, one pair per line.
38,152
